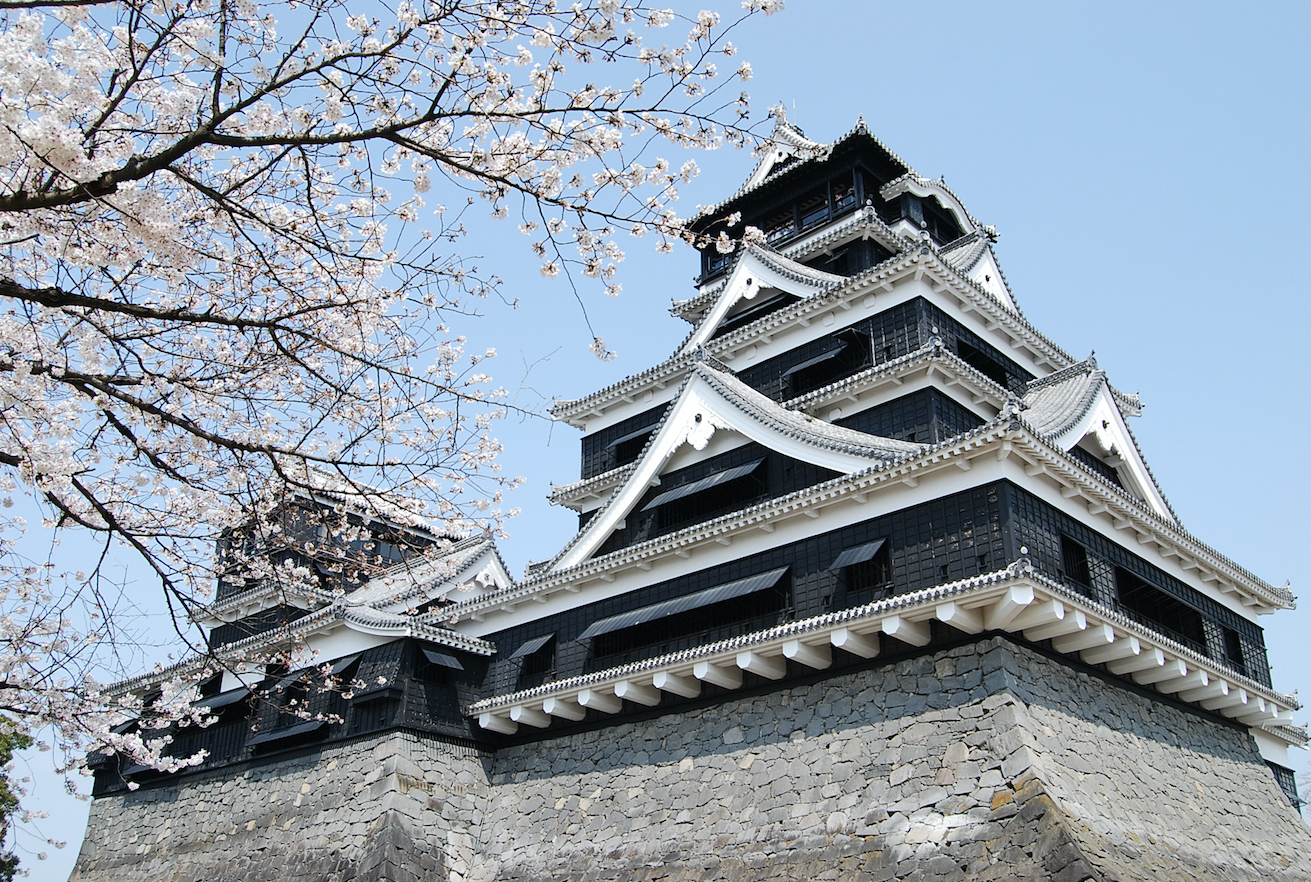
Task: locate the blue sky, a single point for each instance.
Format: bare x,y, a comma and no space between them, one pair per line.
1145,165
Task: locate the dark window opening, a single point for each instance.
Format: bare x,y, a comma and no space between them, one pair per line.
628,449
850,259
940,222
373,713
1074,565
844,194
1287,782
732,617
708,497
1156,609
865,572
430,605
852,354
779,225
813,208
1096,465
726,497
713,261
436,666
293,701
982,362
869,580
839,262
1234,655
212,686
538,663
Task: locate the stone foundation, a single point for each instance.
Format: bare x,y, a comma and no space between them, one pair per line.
987,762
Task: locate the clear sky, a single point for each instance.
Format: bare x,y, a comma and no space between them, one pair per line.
1145,165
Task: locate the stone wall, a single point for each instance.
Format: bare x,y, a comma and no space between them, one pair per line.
393,807
987,761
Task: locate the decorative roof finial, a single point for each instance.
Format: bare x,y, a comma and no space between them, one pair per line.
1092,359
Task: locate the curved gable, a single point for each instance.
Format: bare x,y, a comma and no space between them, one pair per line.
1077,407
923,187
709,401
758,269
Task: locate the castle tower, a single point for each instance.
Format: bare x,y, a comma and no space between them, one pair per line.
871,577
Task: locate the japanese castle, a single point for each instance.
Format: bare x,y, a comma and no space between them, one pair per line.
860,476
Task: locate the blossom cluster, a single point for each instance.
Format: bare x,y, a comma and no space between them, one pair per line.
222,273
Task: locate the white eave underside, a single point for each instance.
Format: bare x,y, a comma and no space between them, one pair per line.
1015,600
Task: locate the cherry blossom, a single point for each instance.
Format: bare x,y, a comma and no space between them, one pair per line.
230,273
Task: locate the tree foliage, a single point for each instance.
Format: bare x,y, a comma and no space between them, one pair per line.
231,265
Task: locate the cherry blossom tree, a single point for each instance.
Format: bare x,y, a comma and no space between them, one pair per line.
231,268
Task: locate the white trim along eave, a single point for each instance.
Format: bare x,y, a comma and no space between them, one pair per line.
1016,600
1000,450
1010,332
844,397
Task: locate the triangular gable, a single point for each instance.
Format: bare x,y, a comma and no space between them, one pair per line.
711,400
972,256
785,141
1078,403
466,570
757,269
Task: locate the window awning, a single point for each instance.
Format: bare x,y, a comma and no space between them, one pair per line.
223,699
289,732
756,310
531,646
703,484
818,359
698,599
342,664
137,769
290,679
630,436
858,554
442,659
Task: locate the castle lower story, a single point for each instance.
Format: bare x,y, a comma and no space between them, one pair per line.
983,761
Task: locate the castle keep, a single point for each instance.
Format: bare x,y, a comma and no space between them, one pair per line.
871,580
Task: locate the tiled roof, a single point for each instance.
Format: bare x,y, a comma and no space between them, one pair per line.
1007,428
910,179
817,281
964,254
864,220
752,184
977,297
765,411
799,425
1054,403
977,597
415,578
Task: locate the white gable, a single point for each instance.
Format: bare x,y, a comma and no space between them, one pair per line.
986,273
711,402
755,271
1103,431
